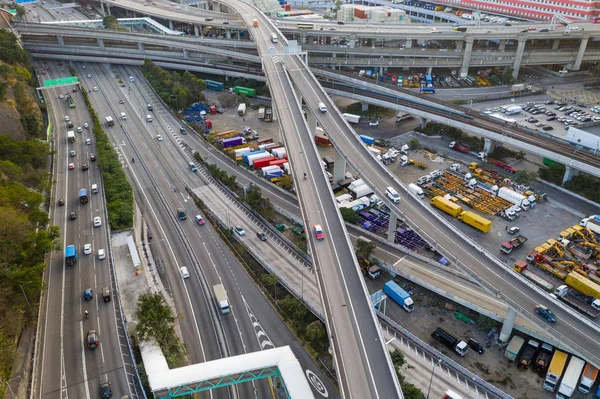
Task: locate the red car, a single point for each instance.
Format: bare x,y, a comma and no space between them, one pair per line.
71,166
92,157
61,202
84,166
319,235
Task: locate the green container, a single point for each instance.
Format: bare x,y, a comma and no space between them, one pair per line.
280,226
245,90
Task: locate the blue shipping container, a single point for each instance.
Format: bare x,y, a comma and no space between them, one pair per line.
428,78
367,139
399,296
212,85
251,153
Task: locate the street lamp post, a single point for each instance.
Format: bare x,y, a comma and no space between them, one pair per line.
26,299
432,373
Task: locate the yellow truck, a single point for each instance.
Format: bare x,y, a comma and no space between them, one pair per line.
446,205
583,285
555,371
474,220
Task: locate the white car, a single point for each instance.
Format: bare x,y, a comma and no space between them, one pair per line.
89,75
95,88
85,125
61,96
97,221
88,141
159,137
240,230
184,272
101,254
87,249
67,119
79,129
374,123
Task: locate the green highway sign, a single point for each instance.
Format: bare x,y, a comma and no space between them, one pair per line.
59,82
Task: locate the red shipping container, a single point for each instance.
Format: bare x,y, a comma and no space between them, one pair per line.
278,162
261,163
288,7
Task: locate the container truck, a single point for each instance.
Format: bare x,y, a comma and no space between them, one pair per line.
71,136
513,348
555,371
356,183
583,285
357,205
514,197
245,90
416,190
268,115
212,85
242,109
570,378
321,139
261,113
221,298
399,296
352,118
70,255
476,221
578,300
521,267
83,198
460,347
590,373
543,358
361,191
445,205
233,141
459,147
508,246
109,121
368,140
428,90
517,88
513,110
528,353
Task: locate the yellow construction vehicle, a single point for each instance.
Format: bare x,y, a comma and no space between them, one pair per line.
473,165
419,165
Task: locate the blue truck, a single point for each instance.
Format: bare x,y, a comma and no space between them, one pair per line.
83,198
212,85
428,79
70,255
399,296
428,90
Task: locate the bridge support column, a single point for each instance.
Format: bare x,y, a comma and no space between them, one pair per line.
502,45
429,70
303,38
141,47
102,7
107,9
408,43
196,31
555,44
459,45
100,43
364,107
339,167
228,34
391,233
185,53
518,57
507,327
579,58
171,25
488,145
569,174
423,123
464,70
311,122
60,40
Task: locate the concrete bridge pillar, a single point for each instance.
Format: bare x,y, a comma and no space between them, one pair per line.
311,122
141,47
423,123
339,167
569,173
391,233
518,57
502,45
107,9
364,107
408,43
429,70
185,53
579,58
102,7
488,145
60,40
228,34
352,43
170,24
464,70
459,45
196,31
555,44
100,43
507,327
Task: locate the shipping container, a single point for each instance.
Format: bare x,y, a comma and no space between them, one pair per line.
245,90
446,205
216,86
476,221
555,371
590,373
322,140
260,163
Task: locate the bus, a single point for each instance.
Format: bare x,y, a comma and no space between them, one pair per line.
305,26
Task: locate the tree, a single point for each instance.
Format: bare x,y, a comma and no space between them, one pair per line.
413,144
398,359
316,335
110,22
525,177
364,248
155,319
227,99
508,75
3,90
20,11
595,72
349,215
272,281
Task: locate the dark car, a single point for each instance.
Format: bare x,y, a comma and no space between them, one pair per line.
105,390
106,294
547,128
532,120
92,339
92,157
261,236
73,215
550,119
476,346
61,202
209,19
88,294
545,313
84,166
549,102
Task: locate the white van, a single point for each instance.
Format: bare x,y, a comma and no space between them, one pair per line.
94,189
131,79
322,107
123,116
274,38
149,118
392,194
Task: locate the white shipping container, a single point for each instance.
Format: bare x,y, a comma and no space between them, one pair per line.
279,152
374,150
343,198
241,151
252,158
270,169
513,197
356,183
286,167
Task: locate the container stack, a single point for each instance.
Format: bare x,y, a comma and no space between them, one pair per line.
360,13
267,6
346,13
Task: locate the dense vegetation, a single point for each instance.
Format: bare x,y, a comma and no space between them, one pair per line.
177,90
439,129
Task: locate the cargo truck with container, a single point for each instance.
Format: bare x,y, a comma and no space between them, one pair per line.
592,223
514,197
555,370
245,90
268,114
513,110
459,147
361,191
514,347
71,136
322,140
352,118
521,267
70,255
460,347
418,191
212,85
570,379
476,221
528,353
221,298
579,301
110,121
583,285
590,373
514,243
543,358
241,109
447,206
517,88
398,295
233,142
83,198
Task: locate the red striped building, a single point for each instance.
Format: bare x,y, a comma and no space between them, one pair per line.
534,9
